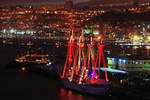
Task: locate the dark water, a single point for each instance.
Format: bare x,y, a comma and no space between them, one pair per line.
32,86
29,85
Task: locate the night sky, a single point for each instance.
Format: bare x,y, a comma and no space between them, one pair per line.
37,2
59,2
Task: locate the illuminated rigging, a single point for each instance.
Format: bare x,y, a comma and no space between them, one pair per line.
81,59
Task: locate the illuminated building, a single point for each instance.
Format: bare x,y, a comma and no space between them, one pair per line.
129,64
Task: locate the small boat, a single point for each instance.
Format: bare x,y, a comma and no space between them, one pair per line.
34,59
32,62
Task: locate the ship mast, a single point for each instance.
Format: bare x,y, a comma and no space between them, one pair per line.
81,58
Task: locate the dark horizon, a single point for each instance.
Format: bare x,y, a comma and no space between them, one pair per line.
38,2
61,2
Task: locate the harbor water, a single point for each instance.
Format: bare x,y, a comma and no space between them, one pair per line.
30,85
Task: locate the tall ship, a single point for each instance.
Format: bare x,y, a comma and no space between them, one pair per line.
82,69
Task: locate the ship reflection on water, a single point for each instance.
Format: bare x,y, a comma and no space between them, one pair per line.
52,86
68,94
71,95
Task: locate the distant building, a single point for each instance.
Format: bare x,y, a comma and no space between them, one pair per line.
130,64
68,5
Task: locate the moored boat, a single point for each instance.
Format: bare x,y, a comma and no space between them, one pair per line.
34,59
32,62
80,72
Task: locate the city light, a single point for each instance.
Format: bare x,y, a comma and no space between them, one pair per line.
136,39
147,39
99,37
135,47
87,31
4,30
120,60
20,32
147,47
124,61
95,32
23,69
12,31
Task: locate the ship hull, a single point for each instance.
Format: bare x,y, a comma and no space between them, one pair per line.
87,89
